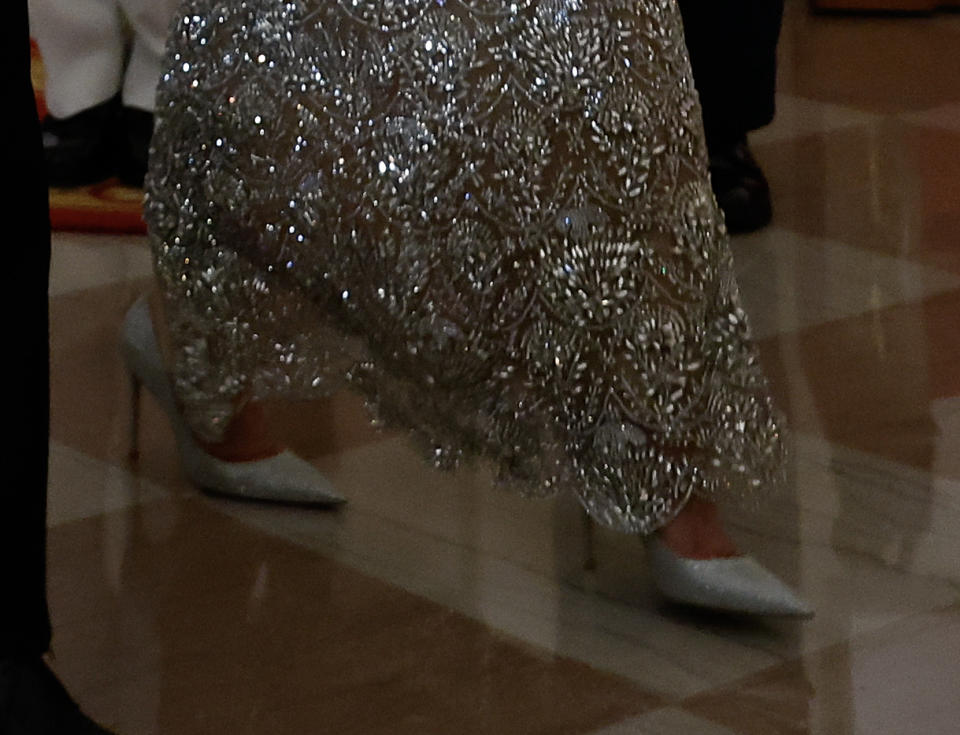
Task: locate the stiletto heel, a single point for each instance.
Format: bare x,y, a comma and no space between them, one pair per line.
736,584
284,478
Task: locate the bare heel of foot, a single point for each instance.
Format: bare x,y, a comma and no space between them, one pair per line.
247,437
697,533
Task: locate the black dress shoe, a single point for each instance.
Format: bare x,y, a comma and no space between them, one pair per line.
34,702
741,188
80,149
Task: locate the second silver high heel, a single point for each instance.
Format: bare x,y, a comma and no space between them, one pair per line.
284,478
737,584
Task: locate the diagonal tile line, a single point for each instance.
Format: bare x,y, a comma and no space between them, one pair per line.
107,487
594,629
609,697
776,270
910,625
798,116
945,116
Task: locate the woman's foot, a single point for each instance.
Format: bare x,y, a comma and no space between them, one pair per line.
697,533
247,462
694,562
247,437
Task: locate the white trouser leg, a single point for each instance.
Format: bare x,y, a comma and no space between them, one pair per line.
150,21
82,42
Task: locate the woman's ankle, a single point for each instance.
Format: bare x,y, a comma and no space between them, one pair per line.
247,437
697,532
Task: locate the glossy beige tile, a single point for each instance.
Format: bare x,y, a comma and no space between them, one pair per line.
899,517
869,542
666,721
946,416
512,563
798,116
867,382
790,281
204,625
81,261
89,390
945,116
880,64
80,486
852,533
896,681
889,188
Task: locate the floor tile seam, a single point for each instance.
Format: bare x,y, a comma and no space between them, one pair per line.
313,551
781,129
811,447
825,452
829,318
870,106
362,564
917,120
369,510
842,106
351,556
859,639
72,291
365,511
867,117
620,727
154,491
85,238
802,240
581,615
798,331
949,281
68,292
853,465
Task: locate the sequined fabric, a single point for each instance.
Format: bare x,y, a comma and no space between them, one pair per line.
493,218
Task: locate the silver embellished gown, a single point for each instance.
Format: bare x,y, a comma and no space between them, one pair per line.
492,218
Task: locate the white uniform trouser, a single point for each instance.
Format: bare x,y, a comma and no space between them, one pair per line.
93,49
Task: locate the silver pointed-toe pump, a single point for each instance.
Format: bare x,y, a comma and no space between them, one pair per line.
736,584
283,478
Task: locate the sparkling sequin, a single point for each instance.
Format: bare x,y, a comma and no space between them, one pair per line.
493,218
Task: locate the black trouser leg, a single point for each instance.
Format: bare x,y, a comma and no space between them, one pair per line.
23,498
733,50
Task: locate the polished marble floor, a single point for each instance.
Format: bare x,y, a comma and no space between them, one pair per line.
433,604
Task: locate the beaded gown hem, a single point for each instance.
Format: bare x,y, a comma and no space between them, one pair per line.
492,218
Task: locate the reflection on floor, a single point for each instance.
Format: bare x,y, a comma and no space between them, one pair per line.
434,604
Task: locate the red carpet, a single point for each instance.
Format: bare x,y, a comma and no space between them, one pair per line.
107,206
